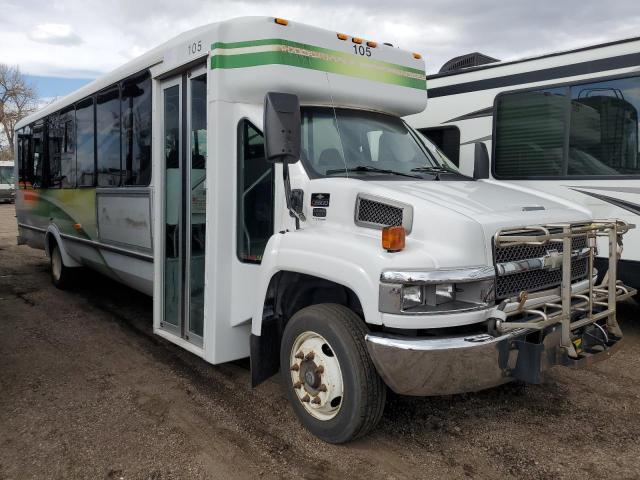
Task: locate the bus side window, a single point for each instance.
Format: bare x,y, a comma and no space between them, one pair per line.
254,223
136,129
85,138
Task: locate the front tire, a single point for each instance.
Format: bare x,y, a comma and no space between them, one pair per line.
328,375
61,276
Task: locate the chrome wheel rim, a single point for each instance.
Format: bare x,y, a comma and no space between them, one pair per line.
316,375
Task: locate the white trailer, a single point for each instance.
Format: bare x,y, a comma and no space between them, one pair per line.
298,220
564,123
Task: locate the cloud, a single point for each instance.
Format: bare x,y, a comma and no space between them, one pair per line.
56,34
94,36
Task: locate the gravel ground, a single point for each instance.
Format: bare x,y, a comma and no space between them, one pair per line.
87,391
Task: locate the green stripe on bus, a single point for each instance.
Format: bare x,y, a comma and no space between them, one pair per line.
289,43
286,58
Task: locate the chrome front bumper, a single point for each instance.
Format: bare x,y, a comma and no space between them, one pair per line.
452,365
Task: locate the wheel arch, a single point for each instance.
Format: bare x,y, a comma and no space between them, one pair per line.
51,236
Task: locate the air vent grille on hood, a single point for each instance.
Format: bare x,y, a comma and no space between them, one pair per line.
376,212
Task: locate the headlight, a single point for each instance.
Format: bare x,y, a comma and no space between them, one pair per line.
437,291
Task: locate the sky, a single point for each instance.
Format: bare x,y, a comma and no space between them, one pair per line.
63,44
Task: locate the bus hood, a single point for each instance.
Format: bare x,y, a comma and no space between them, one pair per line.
492,202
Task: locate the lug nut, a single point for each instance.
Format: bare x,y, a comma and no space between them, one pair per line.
310,356
298,384
319,370
322,388
316,400
305,399
295,367
300,355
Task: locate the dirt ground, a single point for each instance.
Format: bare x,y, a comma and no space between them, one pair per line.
87,391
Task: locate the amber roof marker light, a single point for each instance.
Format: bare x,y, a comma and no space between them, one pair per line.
357,40
372,44
281,21
417,56
342,36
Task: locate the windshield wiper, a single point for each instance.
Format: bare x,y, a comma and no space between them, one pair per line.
366,168
435,169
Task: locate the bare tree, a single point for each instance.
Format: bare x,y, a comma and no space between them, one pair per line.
17,100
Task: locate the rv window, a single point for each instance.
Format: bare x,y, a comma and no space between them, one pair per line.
530,133
604,128
85,135
582,130
255,195
136,129
108,138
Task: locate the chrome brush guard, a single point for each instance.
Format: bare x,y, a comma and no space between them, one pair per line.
572,306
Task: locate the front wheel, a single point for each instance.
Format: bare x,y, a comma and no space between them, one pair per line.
61,276
328,375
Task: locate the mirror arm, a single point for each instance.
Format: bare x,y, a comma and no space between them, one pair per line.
299,216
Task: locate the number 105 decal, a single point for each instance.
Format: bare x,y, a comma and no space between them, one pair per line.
362,50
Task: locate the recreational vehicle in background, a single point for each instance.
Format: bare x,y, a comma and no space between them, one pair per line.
256,177
7,181
563,123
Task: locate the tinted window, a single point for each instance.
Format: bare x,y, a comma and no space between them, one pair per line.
35,164
55,137
255,195
136,129
108,137
85,134
530,133
604,128
588,129
446,139
68,155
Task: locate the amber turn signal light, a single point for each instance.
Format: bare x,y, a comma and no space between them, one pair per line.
393,238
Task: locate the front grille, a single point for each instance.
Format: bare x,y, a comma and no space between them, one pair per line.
534,280
383,214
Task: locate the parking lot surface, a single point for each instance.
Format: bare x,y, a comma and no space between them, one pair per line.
87,391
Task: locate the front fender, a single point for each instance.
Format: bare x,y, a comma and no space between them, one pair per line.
341,257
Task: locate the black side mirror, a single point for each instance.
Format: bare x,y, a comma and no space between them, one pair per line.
480,161
282,127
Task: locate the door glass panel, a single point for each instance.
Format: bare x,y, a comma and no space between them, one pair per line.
197,194
173,271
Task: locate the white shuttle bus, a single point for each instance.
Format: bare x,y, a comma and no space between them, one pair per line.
563,123
256,177
7,181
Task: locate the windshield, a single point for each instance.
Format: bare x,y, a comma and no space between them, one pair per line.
6,175
345,142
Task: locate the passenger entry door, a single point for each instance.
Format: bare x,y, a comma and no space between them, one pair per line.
183,113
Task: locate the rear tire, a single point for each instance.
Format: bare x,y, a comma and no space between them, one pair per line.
333,386
61,276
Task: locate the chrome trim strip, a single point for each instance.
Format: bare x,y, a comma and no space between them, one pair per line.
31,227
551,261
110,248
429,277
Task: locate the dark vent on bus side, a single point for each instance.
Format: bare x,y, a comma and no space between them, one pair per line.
379,213
467,61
